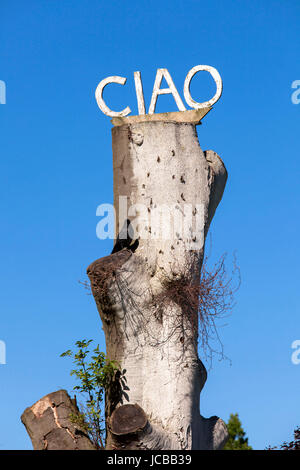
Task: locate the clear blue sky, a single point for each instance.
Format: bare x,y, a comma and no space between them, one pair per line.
56,168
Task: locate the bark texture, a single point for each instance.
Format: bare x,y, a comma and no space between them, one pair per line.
49,426
156,163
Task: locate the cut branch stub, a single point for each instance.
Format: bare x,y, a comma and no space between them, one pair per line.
130,430
127,419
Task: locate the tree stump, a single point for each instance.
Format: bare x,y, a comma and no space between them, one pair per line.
49,425
154,337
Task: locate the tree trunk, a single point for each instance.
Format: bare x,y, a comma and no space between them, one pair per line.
154,337
49,425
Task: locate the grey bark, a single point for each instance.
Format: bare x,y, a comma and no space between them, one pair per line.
157,163
158,407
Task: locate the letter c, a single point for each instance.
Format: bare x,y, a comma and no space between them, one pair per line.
99,90
186,89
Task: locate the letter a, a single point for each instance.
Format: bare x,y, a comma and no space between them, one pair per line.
160,74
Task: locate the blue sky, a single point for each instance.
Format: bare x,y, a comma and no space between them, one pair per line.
56,168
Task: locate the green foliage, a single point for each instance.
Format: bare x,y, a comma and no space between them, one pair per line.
293,445
237,439
95,373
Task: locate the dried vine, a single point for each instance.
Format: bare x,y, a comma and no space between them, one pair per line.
202,298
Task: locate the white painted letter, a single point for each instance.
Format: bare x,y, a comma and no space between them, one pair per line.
163,91
186,89
139,92
99,90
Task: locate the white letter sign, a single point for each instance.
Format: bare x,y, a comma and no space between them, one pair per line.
100,100
186,89
160,74
163,91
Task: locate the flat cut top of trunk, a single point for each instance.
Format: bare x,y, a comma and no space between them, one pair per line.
193,116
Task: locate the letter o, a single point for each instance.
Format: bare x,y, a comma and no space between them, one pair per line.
186,89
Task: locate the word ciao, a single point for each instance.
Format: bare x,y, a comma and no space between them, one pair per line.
160,74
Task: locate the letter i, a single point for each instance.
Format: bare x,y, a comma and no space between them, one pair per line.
139,92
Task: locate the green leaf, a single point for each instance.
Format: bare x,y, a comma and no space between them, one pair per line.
95,372
66,353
